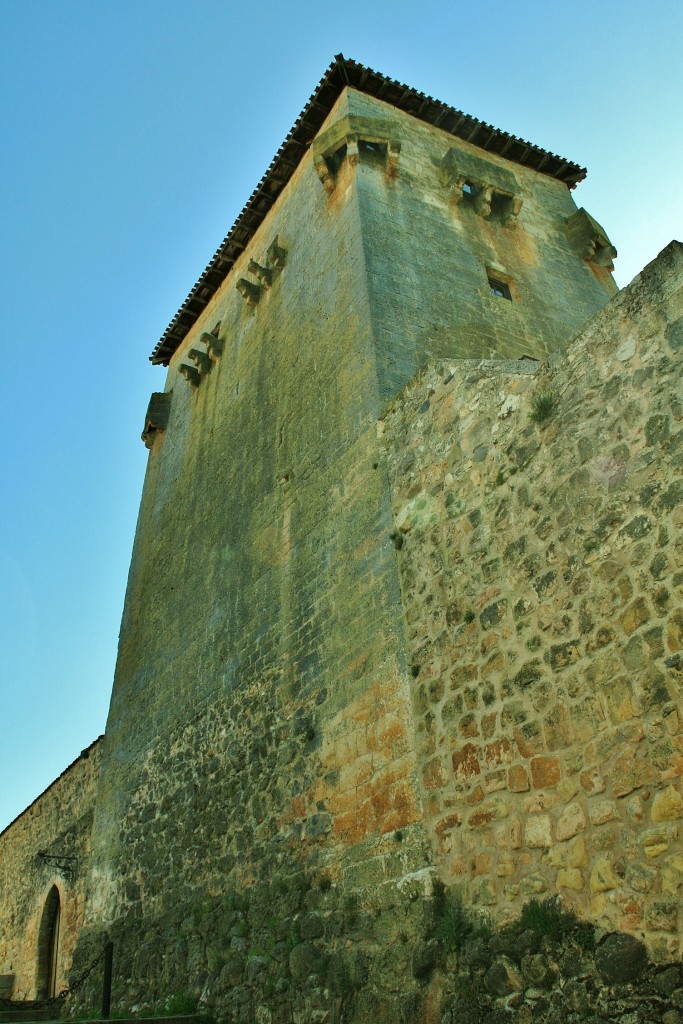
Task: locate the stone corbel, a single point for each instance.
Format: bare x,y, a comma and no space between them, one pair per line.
264,274
249,291
324,173
393,153
201,360
276,255
482,200
352,154
156,417
455,186
600,254
591,240
511,212
191,374
214,346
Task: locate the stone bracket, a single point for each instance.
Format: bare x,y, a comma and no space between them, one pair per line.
249,291
191,374
324,173
511,212
276,257
157,416
264,274
214,346
495,193
483,199
352,147
590,240
202,360
393,153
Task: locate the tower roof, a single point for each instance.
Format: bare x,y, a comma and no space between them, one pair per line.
344,72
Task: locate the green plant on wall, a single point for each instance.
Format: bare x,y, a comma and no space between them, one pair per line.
456,925
542,406
180,1004
549,917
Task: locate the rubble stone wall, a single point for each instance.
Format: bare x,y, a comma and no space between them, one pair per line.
58,823
538,520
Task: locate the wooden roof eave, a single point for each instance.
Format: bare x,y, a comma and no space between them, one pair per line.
342,72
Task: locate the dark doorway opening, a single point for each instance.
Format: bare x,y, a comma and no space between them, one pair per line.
48,946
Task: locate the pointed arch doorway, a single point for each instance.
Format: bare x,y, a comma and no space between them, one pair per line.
48,946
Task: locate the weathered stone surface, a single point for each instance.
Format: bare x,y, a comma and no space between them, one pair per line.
538,832
620,958
667,805
571,821
425,957
44,858
576,673
503,977
667,980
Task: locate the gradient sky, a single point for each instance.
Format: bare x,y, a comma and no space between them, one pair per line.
133,133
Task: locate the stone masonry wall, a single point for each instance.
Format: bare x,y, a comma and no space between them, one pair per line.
58,822
428,258
259,780
260,735
542,575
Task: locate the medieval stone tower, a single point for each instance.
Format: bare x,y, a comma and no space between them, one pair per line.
367,618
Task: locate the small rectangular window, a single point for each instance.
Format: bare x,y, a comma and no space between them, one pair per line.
469,189
499,288
373,148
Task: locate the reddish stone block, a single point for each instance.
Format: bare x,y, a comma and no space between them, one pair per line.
433,775
529,739
466,762
482,864
498,752
447,824
592,781
488,725
481,817
518,780
545,772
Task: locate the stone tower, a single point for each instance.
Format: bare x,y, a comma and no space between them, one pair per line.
403,631
403,624
261,732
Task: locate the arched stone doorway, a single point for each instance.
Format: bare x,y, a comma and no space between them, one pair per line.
48,946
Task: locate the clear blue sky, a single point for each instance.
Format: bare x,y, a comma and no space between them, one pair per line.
133,133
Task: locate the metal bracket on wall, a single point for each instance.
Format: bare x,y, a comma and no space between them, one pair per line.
65,864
